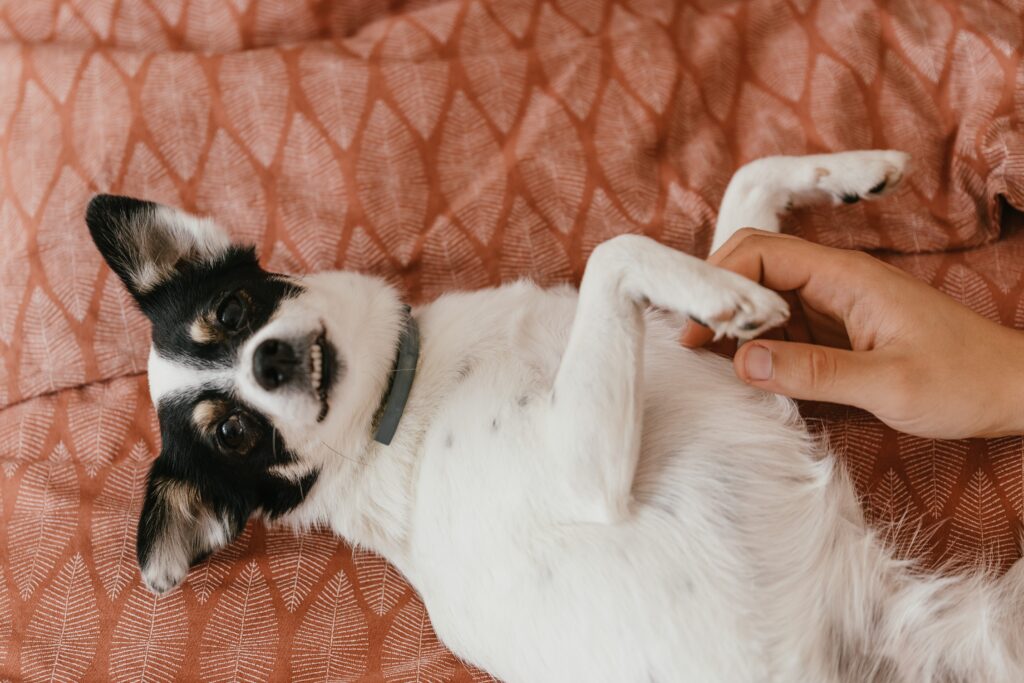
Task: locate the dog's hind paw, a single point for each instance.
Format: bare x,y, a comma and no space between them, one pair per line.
852,176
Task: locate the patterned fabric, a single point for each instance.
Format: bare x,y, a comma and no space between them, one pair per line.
442,145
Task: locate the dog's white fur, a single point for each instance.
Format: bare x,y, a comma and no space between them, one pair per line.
578,498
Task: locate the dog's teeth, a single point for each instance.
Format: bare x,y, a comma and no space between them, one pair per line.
317,361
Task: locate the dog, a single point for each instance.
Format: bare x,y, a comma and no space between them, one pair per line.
574,495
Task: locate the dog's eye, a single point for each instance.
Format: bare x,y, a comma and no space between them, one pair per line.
231,313
231,433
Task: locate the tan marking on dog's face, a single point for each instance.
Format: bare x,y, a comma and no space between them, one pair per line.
178,496
206,414
204,331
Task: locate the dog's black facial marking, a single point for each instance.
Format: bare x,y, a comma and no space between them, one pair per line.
221,461
198,476
201,435
228,299
114,223
278,496
203,295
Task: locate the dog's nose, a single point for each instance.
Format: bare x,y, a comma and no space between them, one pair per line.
274,363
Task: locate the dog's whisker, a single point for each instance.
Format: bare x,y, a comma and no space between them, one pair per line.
338,453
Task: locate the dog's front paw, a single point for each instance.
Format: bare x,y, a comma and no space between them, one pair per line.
163,571
742,309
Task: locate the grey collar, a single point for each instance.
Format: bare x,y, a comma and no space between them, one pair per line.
403,372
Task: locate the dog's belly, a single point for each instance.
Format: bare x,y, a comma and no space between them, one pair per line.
531,597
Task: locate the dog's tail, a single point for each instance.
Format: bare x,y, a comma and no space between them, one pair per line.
894,622
843,608
956,628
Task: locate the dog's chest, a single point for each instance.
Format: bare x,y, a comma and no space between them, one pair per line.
482,451
481,456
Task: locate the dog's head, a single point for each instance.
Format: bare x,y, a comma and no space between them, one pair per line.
253,375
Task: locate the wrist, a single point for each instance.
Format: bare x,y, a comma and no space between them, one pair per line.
1010,387
1015,402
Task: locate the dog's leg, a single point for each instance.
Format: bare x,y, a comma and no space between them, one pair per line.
594,415
765,188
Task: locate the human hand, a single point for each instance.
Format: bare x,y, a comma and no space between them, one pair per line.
881,340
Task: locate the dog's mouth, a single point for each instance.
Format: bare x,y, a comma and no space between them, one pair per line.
323,368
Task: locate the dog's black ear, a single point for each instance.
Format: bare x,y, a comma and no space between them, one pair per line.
143,241
179,526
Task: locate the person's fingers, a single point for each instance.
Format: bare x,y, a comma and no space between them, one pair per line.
822,329
715,257
695,335
779,264
740,236
808,371
796,328
829,280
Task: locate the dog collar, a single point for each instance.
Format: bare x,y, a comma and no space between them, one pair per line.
402,373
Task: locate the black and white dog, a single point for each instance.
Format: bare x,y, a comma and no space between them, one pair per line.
574,495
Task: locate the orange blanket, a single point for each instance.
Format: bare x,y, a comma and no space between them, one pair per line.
448,144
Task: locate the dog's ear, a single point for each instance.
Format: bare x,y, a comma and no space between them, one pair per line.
143,241
180,527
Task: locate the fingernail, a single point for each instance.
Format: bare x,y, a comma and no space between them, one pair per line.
758,363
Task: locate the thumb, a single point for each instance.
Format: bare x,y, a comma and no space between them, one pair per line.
806,371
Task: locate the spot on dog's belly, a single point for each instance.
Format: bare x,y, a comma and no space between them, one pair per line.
464,370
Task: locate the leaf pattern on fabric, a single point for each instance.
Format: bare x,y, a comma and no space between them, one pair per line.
43,521
412,653
240,641
380,583
442,144
297,561
150,638
332,641
63,634
114,519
